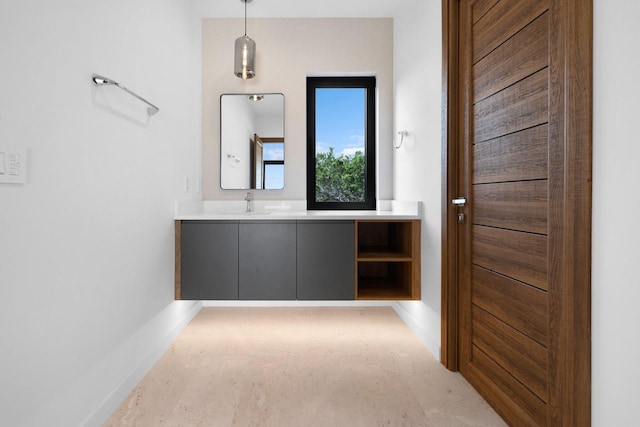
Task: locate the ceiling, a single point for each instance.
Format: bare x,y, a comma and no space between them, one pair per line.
298,8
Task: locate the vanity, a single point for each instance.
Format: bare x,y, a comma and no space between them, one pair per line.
281,251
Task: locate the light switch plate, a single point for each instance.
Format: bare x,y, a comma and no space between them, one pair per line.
13,164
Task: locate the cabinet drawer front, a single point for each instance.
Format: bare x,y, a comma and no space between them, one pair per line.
267,261
209,260
326,260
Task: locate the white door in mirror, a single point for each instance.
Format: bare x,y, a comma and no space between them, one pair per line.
13,164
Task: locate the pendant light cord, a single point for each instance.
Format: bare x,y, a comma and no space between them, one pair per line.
245,17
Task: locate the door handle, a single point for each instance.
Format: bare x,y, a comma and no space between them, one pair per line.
459,202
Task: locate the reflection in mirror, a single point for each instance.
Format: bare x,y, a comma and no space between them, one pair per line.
252,141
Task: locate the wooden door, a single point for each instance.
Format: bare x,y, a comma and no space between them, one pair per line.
521,280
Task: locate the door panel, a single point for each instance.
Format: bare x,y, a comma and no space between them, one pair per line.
515,402
508,87
519,156
518,107
521,356
501,22
516,263
518,255
523,307
510,63
520,205
481,7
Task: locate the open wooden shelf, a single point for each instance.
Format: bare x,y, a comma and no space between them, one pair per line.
381,254
388,259
384,280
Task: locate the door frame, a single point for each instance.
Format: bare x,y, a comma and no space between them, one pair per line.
570,341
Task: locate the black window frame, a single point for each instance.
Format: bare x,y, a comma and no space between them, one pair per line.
266,163
364,82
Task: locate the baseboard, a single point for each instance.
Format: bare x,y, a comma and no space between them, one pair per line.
111,403
416,327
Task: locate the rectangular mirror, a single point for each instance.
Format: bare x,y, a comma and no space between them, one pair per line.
252,141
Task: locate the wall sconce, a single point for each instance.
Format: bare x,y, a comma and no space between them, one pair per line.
245,52
402,134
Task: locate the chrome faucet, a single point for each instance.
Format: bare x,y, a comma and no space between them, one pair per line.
248,199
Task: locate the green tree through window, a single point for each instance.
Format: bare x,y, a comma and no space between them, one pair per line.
340,179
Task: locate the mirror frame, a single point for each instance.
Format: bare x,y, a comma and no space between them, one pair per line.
227,156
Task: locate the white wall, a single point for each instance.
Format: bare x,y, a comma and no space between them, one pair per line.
287,51
237,133
416,164
616,229
86,245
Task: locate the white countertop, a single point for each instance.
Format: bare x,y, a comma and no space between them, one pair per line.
288,210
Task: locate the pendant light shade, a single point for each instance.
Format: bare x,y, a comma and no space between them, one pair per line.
245,52
245,57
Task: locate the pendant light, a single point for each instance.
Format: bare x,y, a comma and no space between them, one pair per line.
245,52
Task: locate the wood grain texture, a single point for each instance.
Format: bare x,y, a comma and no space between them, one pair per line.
502,22
521,106
449,226
557,149
514,254
416,262
523,307
519,156
510,63
523,358
271,139
178,257
571,106
480,8
517,205
515,402
463,231
387,264
578,227
386,238
384,281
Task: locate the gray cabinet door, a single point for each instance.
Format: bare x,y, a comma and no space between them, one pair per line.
267,260
209,260
325,265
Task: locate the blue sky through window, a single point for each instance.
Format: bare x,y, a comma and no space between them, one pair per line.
273,174
274,177
340,120
273,151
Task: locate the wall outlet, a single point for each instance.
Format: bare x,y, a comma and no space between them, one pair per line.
13,164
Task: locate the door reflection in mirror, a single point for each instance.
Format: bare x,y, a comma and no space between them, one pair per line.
267,160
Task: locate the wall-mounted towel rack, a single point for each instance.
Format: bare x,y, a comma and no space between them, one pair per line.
99,80
402,134
234,158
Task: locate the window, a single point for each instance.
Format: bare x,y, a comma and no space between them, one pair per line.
267,158
341,143
273,165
